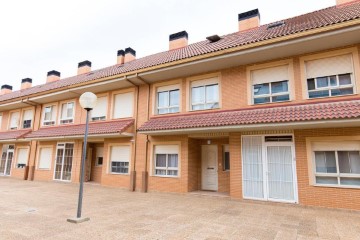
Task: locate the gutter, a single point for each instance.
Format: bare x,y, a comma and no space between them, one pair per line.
81,136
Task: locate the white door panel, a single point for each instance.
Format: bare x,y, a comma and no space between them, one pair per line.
209,167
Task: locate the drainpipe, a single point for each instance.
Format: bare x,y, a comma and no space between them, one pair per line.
133,172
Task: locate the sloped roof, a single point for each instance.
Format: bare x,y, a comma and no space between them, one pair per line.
281,114
325,17
97,128
9,135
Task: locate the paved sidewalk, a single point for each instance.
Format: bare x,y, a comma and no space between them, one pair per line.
38,210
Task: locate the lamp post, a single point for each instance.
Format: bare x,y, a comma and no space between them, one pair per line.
88,102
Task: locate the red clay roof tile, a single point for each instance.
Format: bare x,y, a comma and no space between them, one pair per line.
9,135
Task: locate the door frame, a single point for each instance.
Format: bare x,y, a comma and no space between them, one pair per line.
216,167
264,146
7,160
62,162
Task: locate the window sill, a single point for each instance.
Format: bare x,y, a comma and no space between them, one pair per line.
43,169
166,114
202,110
336,186
98,165
120,174
257,104
163,176
339,96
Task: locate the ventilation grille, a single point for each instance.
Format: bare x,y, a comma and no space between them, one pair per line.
275,24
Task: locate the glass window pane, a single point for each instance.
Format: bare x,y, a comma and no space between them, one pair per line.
174,110
311,84
261,100
325,162
70,108
163,98
327,180
317,94
163,110
281,98
226,161
160,160
173,160
198,94
344,79
322,82
198,107
174,98
278,87
342,91
211,105
212,93
349,162
172,172
333,81
160,172
260,89
350,181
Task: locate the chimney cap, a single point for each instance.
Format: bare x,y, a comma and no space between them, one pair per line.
53,72
84,63
24,80
178,35
5,86
121,52
249,14
130,50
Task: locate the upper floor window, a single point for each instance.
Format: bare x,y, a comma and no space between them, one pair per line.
67,113
168,99
205,94
270,85
49,116
99,111
331,76
14,120
27,118
123,105
0,121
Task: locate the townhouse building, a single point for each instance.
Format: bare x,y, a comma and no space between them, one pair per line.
269,112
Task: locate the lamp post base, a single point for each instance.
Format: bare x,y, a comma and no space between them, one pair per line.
78,220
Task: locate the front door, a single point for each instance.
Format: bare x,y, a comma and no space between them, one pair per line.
63,162
6,160
209,173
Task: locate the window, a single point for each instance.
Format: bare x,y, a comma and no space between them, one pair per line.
270,85
14,120
99,111
123,105
0,121
205,94
99,156
330,76
119,159
45,157
337,167
67,113
27,118
49,116
22,157
168,99
226,158
166,160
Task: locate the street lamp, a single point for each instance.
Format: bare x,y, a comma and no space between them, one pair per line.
88,102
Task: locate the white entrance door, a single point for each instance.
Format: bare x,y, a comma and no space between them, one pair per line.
209,172
268,169
63,161
6,160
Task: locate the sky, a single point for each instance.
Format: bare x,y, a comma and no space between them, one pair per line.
38,36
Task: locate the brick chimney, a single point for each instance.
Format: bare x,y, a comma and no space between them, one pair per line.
26,83
248,20
178,40
5,89
53,76
130,55
120,56
84,67
340,2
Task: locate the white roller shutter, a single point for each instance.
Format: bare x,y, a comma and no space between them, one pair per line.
124,105
120,154
100,108
99,152
329,66
336,146
273,74
204,82
28,115
14,120
45,158
22,155
168,88
167,149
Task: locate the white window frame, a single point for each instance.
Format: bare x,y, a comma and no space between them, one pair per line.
62,145
51,157
18,120
110,161
167,89
17,157
1,117
98,156
336,175
154,168
205,83
52,121
102,117
113,113
270,94
23,118
70,119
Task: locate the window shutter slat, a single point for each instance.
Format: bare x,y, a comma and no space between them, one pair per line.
120,154
100,108
123,105
273,74
166,149
22,156
329,66
336,146
28,114
45,158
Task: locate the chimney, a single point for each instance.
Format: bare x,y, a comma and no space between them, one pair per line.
120,56
26,83
248,20
340,2
178,40
53,76
5,89
130,55
84,67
